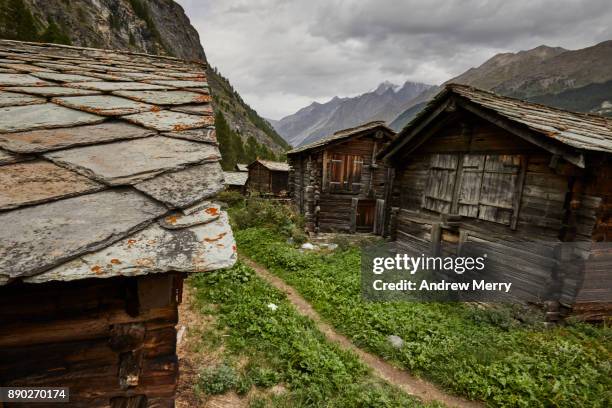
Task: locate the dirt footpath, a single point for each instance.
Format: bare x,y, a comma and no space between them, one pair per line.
192,358
422,389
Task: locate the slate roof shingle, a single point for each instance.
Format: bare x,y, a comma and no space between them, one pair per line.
582,131
101,174
235,178
343,134
272,165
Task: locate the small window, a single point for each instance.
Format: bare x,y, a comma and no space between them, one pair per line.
345,172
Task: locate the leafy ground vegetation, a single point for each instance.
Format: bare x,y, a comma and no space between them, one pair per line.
266,346
480,354
272,215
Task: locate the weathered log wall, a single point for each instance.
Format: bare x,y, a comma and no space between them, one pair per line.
111,341
259,179
557,202
594,206
263,180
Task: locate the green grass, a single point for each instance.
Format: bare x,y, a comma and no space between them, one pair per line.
280,347
478,354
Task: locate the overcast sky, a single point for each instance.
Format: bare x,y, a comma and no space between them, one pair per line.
281,55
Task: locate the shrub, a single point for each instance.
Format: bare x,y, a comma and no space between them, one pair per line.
217,380
264,377
231,198
260,212
244,385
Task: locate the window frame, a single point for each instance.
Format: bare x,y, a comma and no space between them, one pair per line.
350,173
435,197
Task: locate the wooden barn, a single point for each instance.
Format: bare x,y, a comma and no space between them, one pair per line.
268,178
337,183
523,179
236,180
108,165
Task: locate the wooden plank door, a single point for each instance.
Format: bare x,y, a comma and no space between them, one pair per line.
365,215
438,194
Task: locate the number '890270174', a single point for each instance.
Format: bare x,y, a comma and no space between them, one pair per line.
34,394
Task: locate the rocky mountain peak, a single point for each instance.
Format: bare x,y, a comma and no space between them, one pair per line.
386,86
318,120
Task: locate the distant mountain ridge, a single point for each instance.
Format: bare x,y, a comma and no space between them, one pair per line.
578,80
320,119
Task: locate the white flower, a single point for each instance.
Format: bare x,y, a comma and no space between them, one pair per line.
272,307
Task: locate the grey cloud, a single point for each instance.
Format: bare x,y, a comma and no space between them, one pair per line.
282,54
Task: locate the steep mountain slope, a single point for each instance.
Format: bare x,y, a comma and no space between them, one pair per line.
151,26
320,119
561,72
579,80
406,116
243,119
507,67
594,98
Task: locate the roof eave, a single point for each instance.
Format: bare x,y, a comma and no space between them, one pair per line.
318,145
447,100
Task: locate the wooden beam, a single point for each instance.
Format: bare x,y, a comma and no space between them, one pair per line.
354,207
463,237
324,186
456,186
388,198
518,192
424,137
436,235
405,139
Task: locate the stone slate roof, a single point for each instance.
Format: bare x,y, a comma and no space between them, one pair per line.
235,178
242,167
344,134
582,131
108,165
272,165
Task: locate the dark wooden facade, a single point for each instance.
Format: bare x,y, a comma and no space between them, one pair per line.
111,341
464,172
268,178
338,184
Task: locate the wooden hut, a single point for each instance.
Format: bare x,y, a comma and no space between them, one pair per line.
337,183
107,169
524,178
236,180
268,178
